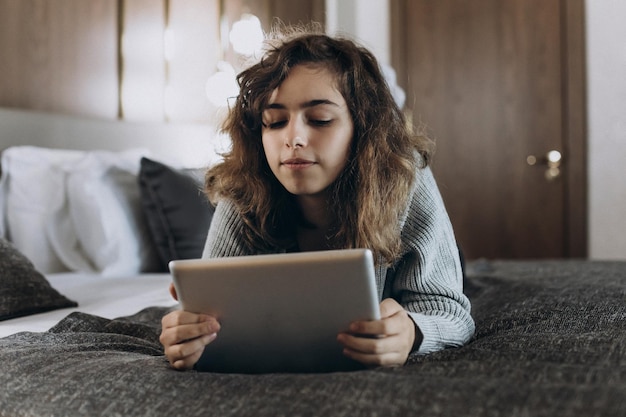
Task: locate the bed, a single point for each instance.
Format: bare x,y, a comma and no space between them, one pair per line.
79,329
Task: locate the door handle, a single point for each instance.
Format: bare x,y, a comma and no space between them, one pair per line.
552,160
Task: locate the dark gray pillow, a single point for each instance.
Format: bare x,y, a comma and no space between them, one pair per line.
176,209
23,290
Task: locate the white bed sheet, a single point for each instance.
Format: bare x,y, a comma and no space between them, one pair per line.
108,297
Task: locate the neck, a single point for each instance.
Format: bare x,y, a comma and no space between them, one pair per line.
315,211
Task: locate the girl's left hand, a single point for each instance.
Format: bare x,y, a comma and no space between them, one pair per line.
384,342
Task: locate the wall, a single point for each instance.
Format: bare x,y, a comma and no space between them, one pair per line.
606,95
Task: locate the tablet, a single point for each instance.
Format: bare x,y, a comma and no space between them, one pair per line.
279,312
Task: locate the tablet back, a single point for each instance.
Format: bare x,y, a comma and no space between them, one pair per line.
280,312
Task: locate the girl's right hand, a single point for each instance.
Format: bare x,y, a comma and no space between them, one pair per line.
184,336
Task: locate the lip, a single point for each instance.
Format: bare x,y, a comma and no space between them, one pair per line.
297,163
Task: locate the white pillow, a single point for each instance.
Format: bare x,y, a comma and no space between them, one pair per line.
3,199
76,210
103,204
33,188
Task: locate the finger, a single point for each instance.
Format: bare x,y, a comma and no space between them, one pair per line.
186,363
388,326
368,345
185,332
374,352
181,317
387,341
185,355
173,291
173,332
384,359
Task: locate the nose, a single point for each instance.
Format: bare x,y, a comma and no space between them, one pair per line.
295,135
296,142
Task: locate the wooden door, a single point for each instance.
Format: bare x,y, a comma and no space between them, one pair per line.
498,83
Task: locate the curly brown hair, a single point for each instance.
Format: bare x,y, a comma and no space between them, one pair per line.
369,196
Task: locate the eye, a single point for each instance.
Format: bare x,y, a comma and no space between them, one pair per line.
274,125
274,118
320,122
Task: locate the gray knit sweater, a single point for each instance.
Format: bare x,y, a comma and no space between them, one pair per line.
427,281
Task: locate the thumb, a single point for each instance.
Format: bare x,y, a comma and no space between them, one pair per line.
389,307
173,291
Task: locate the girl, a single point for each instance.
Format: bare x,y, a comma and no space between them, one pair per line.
322,158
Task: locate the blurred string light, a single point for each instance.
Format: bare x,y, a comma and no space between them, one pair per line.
246,37
169,44
170,103
222,86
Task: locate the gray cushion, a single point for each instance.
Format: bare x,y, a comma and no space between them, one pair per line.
23,290
176,209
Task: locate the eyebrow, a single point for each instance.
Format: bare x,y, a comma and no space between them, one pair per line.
307,104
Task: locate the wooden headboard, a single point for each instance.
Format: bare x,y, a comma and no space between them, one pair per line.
191,145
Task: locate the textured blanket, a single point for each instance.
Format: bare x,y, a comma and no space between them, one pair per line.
550,341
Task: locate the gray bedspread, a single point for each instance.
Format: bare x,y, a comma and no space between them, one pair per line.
550,341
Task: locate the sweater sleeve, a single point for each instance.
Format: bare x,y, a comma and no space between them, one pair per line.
428,280
224,234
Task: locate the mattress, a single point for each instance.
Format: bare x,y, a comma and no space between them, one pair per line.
107,297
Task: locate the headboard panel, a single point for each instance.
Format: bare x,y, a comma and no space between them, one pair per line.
191,145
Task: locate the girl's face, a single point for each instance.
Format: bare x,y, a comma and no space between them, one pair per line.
307,131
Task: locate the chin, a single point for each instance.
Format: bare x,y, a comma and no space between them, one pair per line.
300,188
